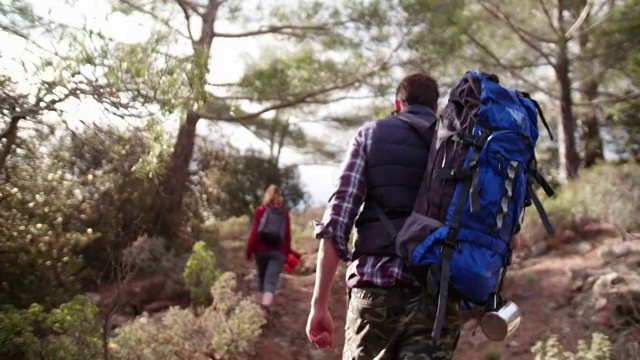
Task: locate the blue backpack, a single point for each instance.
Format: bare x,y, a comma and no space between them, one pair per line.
476,185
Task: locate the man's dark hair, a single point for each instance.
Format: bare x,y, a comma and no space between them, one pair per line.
418,89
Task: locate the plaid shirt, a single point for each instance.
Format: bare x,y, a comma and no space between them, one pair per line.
341,213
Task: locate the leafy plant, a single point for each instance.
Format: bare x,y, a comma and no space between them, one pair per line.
200,273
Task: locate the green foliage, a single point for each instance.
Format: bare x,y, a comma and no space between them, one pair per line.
619,48
227,328
200,273
72,207
236,185
39,243
492,354
68,332
235,228
551,349
16,17
284,77
606,193
138,75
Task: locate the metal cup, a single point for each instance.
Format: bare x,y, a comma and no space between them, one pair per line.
500,324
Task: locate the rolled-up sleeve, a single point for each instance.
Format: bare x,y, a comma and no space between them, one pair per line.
349,195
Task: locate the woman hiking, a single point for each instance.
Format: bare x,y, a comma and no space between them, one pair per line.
270,242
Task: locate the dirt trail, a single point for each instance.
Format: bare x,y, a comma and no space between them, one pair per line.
541,286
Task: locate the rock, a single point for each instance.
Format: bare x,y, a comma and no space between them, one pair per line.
606,283
608,299
539,249
584,247
95,298
618,250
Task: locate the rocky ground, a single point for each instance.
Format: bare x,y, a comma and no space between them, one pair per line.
569,286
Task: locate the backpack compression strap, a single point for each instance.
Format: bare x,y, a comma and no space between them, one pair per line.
451,241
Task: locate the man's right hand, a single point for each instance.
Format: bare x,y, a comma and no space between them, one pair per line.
320,327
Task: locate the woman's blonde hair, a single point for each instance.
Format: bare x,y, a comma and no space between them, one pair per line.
272,194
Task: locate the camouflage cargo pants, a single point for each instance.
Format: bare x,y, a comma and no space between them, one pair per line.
396,323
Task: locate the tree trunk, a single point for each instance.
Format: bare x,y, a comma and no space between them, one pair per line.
10,134
568,156
174,186
592,141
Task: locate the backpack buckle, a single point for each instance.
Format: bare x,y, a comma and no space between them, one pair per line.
450,243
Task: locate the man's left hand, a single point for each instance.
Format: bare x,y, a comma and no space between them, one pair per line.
516,242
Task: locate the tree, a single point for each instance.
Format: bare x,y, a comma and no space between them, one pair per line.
332,52
235,185
618,48
327,57
535,38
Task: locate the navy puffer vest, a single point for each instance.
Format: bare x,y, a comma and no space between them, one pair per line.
395,165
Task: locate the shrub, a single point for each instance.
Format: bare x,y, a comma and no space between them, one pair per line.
38,243
551,349
200,273
229,326
66,333
234,228
607,193
66,203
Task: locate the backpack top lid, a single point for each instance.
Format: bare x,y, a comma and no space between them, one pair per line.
500,106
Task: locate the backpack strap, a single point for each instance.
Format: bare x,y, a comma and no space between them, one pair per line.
540,113
534,175
538,204
385,222
451,240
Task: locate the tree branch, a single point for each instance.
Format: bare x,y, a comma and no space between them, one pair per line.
13,31
290,30
305,98
311,102
584,14
549,18
522,34
185,10
154,16
498,62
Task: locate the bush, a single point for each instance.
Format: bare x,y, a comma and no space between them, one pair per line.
604,193
200,273
67,203
550,349
39,246
226,328
66,333
234,228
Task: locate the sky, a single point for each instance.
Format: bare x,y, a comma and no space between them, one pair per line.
227,66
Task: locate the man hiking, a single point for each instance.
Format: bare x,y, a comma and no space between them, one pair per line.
442,206
383,168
